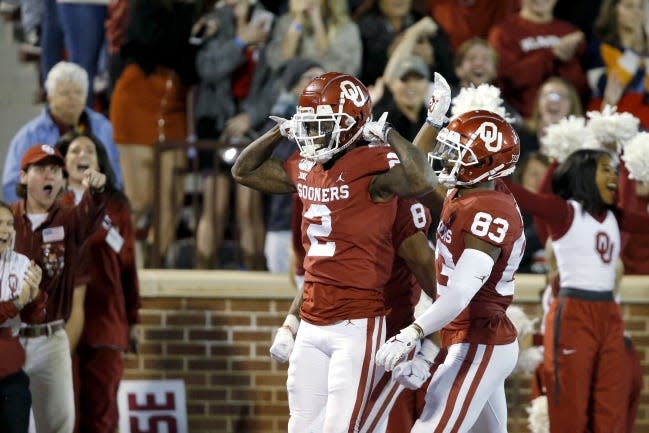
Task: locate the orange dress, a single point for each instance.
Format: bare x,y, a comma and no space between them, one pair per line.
145,109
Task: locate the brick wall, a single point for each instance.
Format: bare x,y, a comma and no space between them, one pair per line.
213,330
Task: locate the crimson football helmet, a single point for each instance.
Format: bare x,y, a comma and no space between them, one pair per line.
476,146
331,113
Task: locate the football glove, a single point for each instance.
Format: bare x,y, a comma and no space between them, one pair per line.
377,130
412,374
284,340
287,127
439,103
397,347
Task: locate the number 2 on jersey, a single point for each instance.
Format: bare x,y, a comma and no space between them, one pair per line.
322,212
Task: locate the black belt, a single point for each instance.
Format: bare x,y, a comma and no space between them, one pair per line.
33,331
587,295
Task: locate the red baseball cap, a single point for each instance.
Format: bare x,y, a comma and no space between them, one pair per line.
39,153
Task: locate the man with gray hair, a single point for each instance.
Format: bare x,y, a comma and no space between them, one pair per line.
67,87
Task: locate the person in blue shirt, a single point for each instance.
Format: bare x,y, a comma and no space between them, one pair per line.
67,86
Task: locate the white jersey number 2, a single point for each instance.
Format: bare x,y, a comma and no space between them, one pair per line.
322,212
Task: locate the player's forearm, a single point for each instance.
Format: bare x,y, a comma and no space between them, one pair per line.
254,155
420,174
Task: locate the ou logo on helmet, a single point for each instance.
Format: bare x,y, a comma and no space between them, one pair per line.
353,93
489,134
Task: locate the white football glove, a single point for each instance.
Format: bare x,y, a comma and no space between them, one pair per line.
397,347
377,130
412,374
287,127
439,103
282,346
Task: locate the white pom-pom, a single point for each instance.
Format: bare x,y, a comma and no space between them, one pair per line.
538,419
529,359
636,157
566,136
483,97
522,323
609,126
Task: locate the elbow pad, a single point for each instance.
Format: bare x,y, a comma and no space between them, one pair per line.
472,270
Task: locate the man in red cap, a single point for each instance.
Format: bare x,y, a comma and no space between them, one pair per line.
51,235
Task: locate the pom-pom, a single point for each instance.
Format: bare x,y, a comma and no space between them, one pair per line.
484,97
611,127
538,419
636,157
522,323
566,136
529,359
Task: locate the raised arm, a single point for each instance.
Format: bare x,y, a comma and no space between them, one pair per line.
413,177
256,169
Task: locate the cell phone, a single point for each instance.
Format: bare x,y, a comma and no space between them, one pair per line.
262,16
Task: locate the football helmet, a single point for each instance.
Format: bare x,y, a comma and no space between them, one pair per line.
476,146
331,113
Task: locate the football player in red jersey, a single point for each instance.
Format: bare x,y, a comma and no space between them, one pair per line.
349,195
480,243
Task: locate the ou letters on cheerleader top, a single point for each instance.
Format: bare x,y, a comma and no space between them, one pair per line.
12,274
588,252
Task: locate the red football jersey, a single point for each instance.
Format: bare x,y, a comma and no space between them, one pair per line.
492,216
346,236
402,291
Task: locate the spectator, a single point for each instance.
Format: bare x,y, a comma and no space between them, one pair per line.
318,30
52,40
278,243
529,174
465,20
53,235
616,59
19,297
112,296
149,105
579,354
557,99
384,28
82,22
236,91
343,184
476,63
66,87
479,243
405,96
533,46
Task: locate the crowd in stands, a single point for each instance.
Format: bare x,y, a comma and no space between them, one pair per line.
120,78
213,71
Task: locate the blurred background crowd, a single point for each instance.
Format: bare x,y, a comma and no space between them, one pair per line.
173,89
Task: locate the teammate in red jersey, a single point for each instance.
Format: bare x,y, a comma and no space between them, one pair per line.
348,191
480,243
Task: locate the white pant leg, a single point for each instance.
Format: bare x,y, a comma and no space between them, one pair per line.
307,378
353,372
332,368
49,366
276,249
471,377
